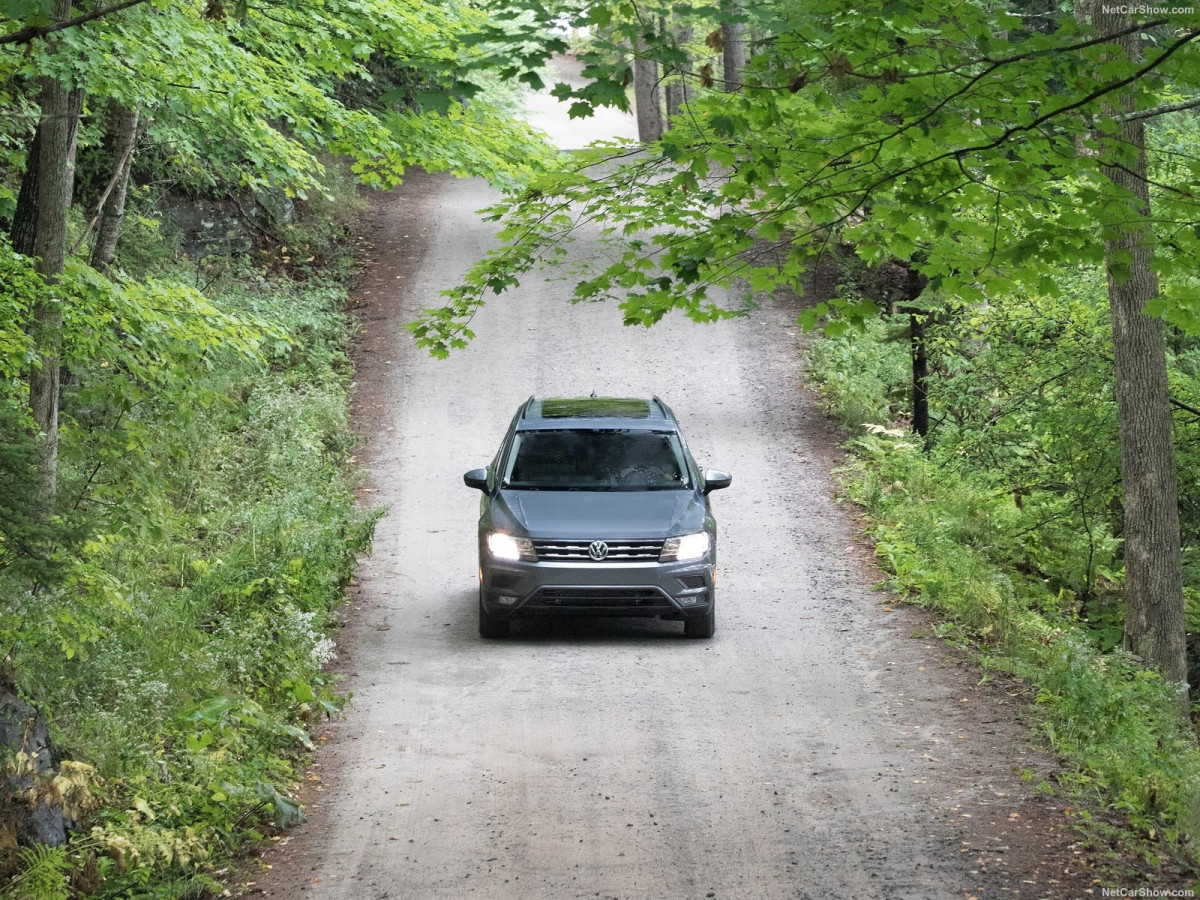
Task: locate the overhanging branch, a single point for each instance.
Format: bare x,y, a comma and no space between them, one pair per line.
32,32
1179,404
1159,110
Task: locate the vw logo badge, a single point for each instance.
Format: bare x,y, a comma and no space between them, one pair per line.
597,549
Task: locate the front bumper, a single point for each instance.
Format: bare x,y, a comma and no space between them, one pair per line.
643,589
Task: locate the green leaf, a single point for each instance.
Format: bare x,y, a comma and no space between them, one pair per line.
533,79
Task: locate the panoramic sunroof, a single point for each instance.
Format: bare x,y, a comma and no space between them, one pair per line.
595,408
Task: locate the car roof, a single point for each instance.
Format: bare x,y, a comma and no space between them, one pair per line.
618,413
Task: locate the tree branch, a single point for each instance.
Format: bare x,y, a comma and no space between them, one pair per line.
1158,110
1013,130
1179,404
32,32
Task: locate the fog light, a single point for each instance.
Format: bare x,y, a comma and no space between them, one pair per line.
689,601
506,600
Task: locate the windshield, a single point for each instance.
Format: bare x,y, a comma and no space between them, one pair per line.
608,460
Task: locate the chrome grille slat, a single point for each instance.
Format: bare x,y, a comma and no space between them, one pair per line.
618,551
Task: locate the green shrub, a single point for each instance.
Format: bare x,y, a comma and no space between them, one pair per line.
866,376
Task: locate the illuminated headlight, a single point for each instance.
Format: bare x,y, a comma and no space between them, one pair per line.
683,549
505,546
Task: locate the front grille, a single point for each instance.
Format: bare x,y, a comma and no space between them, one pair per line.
618,551
599,596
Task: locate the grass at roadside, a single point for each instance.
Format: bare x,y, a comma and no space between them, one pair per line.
956,541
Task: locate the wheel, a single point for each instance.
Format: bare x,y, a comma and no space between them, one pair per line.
703,627
490,626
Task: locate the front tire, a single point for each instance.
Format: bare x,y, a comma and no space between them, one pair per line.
704,626
489,626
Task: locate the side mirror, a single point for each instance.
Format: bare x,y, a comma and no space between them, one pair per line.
476,478
715,479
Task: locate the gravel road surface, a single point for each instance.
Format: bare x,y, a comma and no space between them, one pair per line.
822,745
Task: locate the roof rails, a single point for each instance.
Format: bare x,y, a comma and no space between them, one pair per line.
666,410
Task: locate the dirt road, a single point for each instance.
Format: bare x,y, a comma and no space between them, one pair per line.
815,748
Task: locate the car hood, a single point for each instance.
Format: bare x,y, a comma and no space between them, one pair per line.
588,515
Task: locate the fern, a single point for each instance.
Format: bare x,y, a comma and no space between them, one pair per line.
43,875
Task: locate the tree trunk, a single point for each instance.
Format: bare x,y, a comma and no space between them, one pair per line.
911,288
57,126
25,217
122,138
733,36
74,111
1154,605
678,93
920,374
646,95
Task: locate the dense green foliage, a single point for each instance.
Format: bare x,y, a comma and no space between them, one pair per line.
902,131
180,643
1010,524
249,98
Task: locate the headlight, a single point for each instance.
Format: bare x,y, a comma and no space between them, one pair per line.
505,546
683,549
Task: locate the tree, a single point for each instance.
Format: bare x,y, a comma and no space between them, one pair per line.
55,143
1155,629
678,89
259,110
998,160
647,93
733,52
110,208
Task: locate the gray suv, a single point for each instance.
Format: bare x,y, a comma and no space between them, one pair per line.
594,506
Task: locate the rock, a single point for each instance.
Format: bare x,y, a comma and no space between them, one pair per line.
23,729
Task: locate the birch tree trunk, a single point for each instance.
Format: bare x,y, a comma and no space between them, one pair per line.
123,135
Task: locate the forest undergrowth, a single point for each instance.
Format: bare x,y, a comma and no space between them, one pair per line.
179,645
1005,520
